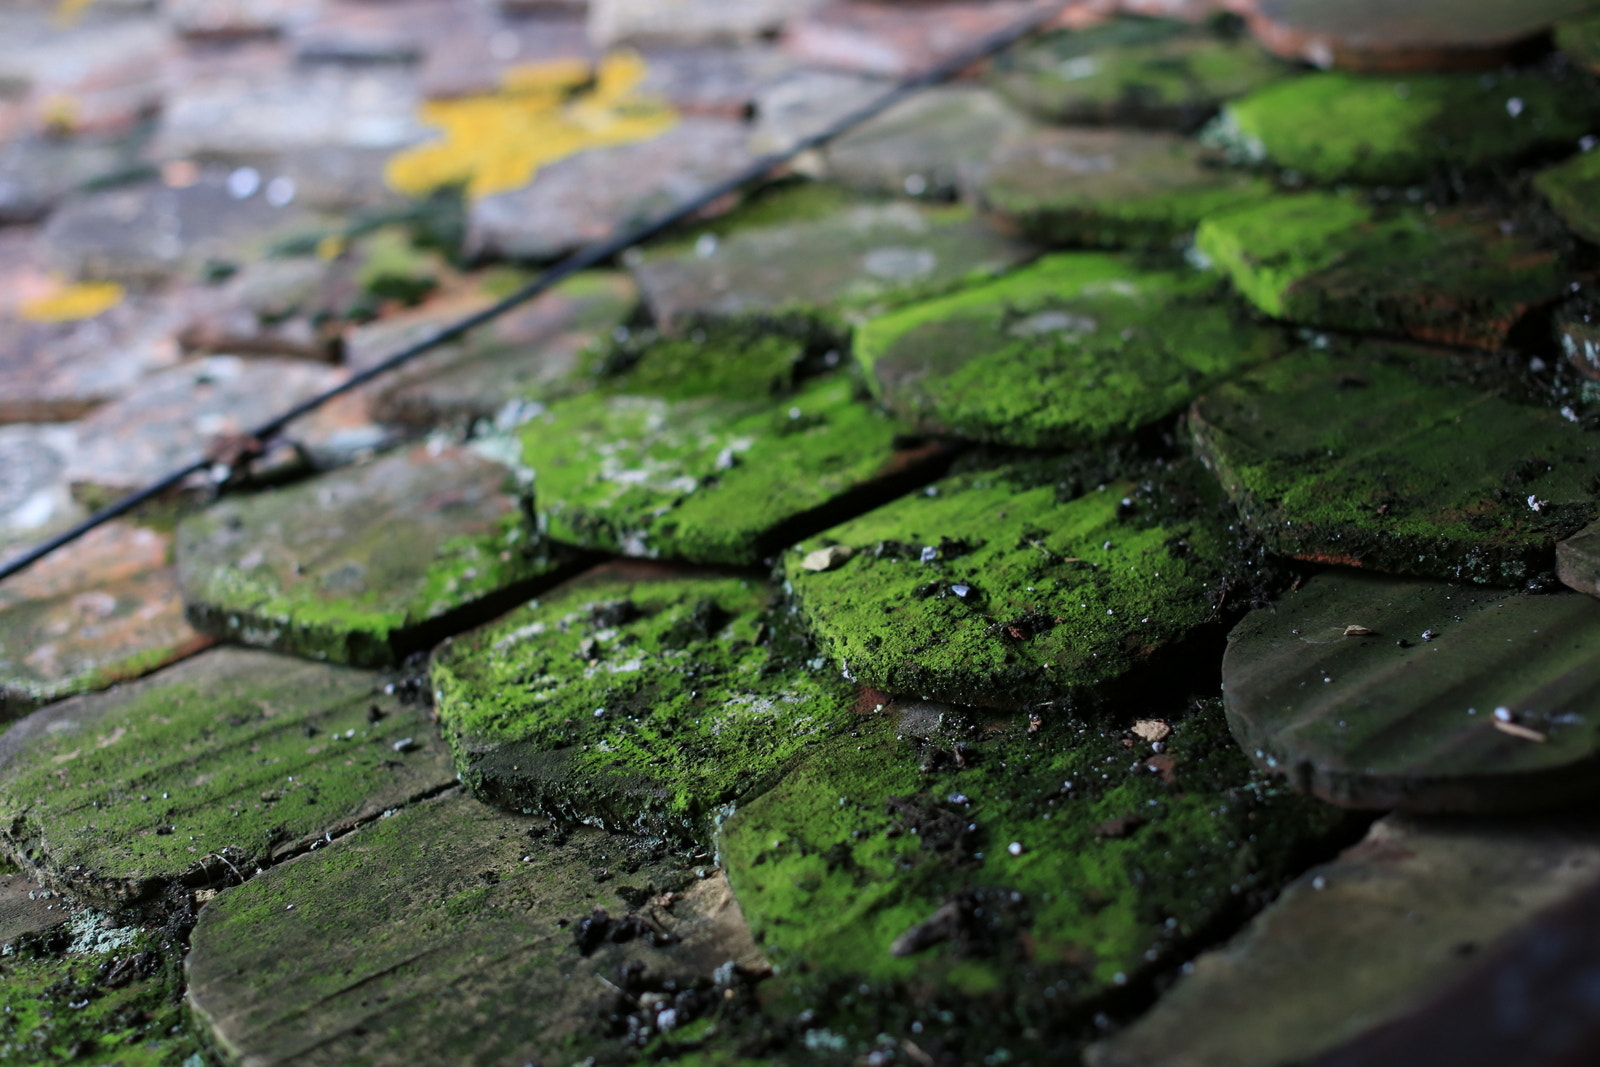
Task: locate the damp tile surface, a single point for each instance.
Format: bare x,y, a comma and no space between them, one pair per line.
1460,699
1370,457
1573,190
402,941
1333,126
831,268
1111,188
1055,866
1326,259
997,588
101,611
1074,349
709,457
354,566
1578,560
636,697
197,773
1148,72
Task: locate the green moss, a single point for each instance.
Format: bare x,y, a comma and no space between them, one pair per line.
392,269
1579,37
695,453
1372,457
1327,259
119,1006
1145,71
1023,594
1573,190
1074,349
635,699
200,771
1112,188
1335,126
1068,866
361,566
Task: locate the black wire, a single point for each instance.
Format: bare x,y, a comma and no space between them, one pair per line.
589,256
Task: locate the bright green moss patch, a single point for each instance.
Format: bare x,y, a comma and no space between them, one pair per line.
1074,349
1135,70
200,771
997,588
701,452
1112,188
993,871
367,564
827,268
1573,190
1372,457
1333,126
112,997
636,697
1326,259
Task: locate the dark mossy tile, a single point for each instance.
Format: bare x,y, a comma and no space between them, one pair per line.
637,697
1577,327
1333,127
532,354
705,452
1579,37
102,610
1573,190
1375,692
97,994
999,588
1370,457
1140,71
994,872
1457,277
1112,188
1074,349
829,266
198,773
1415,35
446,934
1362,940
1578,560
367,564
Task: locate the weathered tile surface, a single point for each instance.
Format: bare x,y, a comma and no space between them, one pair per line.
994,872
149,232
1141,71
441,934
1459,277
366,564
99,611
1361,940
714,80
1578,560
929,144
1460,698
613,22
1578,331
35,497
1112,188
1071,350
1348,127
286,305
637,697
1413,35
236,19
98,73
584,197
1001,588
1572,188
26,907
806,102
38,173
705,453
201,772
895,40
171,418
1371,457
535,353
824,258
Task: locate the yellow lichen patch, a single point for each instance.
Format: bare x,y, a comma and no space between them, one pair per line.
68,303
542,113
